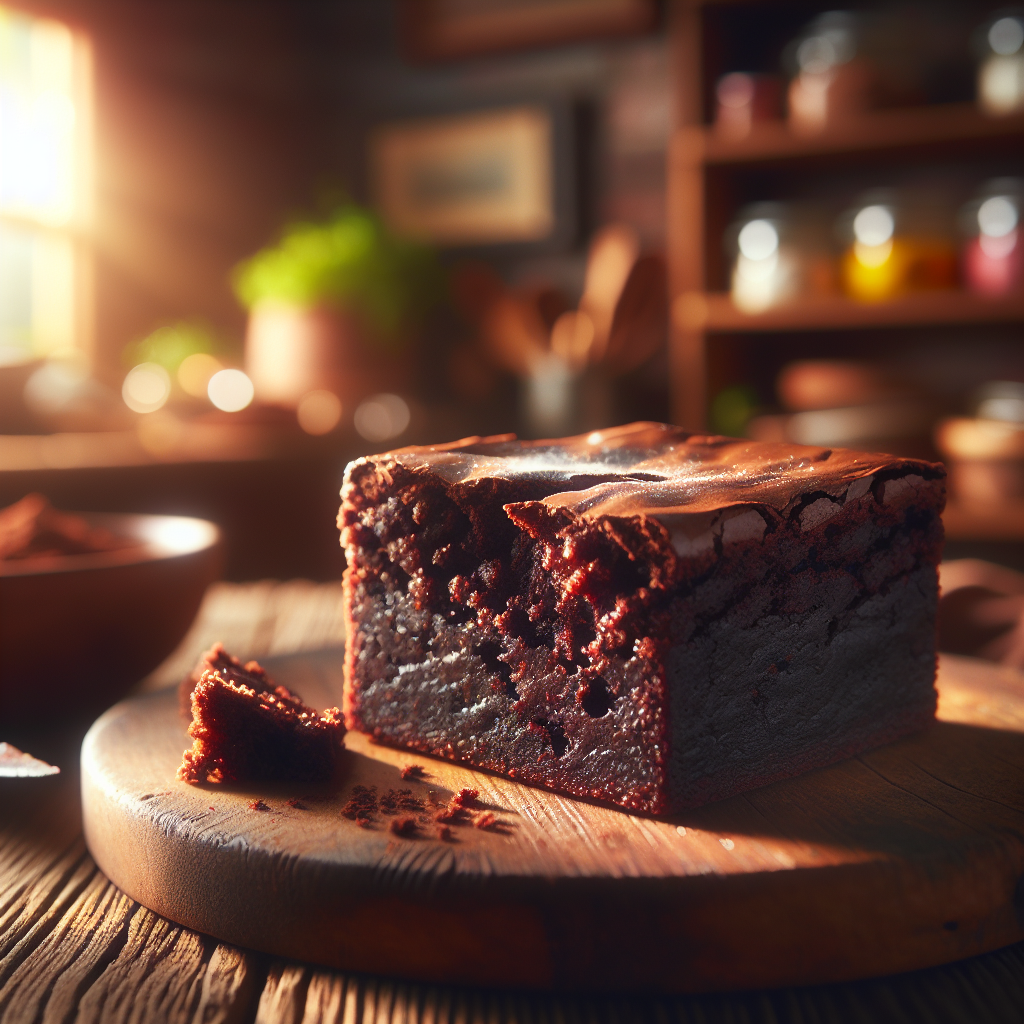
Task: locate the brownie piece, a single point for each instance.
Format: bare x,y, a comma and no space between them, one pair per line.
229,667
640,615
244,728
33,529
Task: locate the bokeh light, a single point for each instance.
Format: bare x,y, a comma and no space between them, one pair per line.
319,412
195,372
54,386
146,388
758,239
381,417
997,216
230,390
1006,36
874,225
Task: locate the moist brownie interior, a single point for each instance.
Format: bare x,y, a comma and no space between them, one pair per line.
640,615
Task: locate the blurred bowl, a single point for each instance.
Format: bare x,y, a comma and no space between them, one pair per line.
77,631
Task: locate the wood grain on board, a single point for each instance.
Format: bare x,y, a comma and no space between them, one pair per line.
905,857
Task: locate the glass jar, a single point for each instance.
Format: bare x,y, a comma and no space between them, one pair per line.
1001,70
834,80
743,100
992,257
896,246
780,252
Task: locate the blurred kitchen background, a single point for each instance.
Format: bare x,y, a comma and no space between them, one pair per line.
243,243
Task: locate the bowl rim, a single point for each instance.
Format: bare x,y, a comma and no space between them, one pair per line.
161,538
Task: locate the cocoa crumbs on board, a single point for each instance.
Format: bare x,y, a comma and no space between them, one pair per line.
361,804
409,814
413,771
258,805
456,808
396,800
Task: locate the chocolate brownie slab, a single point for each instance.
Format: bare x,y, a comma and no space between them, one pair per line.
640,615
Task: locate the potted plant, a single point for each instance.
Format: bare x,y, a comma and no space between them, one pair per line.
335,306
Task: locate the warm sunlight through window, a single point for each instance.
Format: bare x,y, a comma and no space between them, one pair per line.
44,188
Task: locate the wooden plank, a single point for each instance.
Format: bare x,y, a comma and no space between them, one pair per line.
165,972
51,977
836,312
904,857
878,133
257,620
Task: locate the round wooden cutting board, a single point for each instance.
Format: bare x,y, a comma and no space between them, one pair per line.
909,856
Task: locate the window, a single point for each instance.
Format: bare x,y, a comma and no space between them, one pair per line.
44,189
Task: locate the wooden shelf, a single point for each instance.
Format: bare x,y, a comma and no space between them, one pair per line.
886,132
710,176
716,312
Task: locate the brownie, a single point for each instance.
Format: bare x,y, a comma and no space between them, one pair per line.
33,529
640,615
244,728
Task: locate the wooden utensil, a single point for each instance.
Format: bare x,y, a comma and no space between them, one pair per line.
640,321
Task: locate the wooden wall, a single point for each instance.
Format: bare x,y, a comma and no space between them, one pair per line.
217,120
209,131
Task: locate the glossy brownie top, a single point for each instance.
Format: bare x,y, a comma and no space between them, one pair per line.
654,468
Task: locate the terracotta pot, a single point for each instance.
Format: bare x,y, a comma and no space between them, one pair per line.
292,350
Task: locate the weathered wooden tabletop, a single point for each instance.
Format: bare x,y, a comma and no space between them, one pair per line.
74,948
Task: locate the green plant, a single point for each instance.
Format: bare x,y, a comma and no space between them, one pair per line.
732,408
168,346
351,261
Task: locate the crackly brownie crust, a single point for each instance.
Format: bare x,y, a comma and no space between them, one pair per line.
640,616
244,728
226,665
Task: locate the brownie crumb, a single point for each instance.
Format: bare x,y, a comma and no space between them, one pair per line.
396,800
404,826
362,804
413,771
444,833
258,805
297,804
449,812
363,822
456,808
466,797
485,819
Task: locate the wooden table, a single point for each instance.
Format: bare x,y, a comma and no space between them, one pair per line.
74,948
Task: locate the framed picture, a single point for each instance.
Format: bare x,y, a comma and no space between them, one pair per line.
480,179
449,29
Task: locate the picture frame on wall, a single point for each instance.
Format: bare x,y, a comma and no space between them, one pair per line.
436,30
479,179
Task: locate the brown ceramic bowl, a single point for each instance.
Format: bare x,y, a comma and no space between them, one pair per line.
77,631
